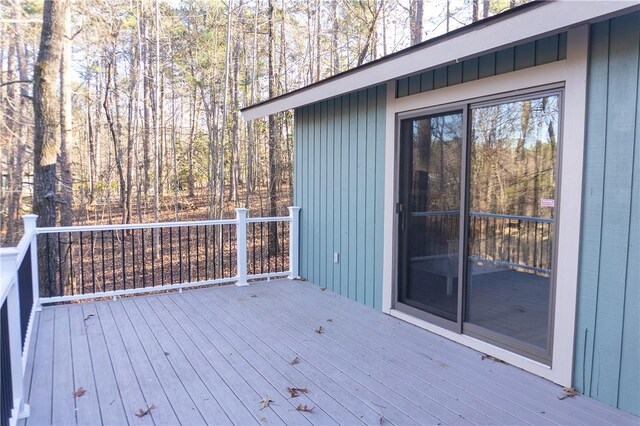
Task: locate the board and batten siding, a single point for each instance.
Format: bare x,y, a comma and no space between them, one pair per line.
339,175
607,361
538,52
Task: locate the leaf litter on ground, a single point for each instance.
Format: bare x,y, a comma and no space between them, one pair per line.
297,391
304,408
319,330
143,412
79,392
294,361
264,402
568,393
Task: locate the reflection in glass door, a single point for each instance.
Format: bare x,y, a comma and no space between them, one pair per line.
512,187
429,213
492,175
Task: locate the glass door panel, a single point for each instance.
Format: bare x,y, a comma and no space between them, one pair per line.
429,213
510,224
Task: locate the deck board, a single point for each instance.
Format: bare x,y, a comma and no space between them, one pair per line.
208,356
87,406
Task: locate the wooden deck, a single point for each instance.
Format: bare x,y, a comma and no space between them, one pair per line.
210,356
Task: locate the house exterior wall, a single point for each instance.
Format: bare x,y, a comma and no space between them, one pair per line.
534,53
607,361
339,174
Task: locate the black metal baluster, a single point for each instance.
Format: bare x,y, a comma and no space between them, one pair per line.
206,253
133,255
153,258
81,263
234,253
495,238
180,251
189,253
519,221
197,254
71,265
261,250
223,255
275,246
503,242
535,244
527,245
122,252
113,258
143,253
213,258
60,266
161,256
93,265
253,247
509,240
171,254
104,285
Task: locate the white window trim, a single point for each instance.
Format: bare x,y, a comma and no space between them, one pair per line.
573,73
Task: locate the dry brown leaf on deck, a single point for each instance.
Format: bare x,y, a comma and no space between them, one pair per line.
297,391
142,413
166,354
492,358
262,418
294,361
304,408
88,316
319,330
568,393
381,420
264,402
79,392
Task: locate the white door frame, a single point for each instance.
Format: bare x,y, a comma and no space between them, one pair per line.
573,73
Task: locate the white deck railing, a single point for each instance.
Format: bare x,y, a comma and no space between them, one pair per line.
78,265
18,303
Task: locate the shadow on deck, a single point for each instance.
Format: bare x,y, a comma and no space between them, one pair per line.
209,356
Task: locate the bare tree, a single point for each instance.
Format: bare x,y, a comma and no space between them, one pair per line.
416,13
47,125
66,180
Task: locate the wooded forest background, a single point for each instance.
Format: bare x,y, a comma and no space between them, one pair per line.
123,111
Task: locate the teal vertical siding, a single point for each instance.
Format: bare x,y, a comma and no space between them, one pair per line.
339,172
607,364
539,52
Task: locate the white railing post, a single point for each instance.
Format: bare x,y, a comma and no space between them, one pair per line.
241,239
8,259
30,227
294,243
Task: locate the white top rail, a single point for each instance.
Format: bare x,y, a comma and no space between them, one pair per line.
88,228
7,272
269,219
23,245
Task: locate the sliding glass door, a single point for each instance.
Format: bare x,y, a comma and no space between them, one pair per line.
485,187
429,213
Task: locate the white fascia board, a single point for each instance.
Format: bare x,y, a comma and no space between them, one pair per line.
538,21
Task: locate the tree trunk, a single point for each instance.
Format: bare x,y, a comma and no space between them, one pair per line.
47,131
415,21
156,180
273,195
224,109
66,180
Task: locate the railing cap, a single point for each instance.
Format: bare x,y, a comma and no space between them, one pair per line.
8,254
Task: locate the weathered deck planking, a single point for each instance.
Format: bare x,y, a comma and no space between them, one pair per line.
208,357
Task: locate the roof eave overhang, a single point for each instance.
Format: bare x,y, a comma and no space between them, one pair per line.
535,22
